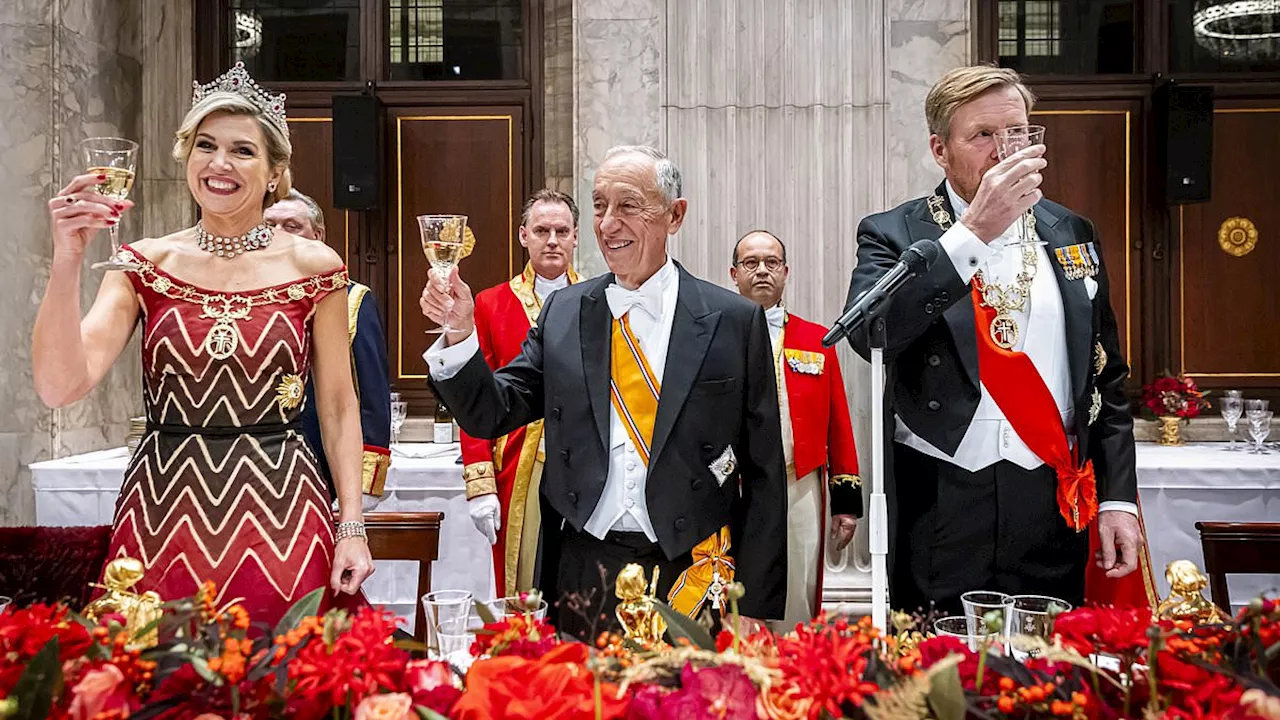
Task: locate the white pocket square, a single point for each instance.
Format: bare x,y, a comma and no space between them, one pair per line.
1090,286
724,466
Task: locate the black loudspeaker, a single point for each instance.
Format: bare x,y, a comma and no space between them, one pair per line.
357,172
1184,129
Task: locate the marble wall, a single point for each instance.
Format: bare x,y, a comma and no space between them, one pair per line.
74,69
71,69
798,117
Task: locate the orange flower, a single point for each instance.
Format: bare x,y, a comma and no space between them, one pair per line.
556,686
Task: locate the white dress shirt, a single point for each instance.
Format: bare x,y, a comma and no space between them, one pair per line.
543,287
1043,338
622,505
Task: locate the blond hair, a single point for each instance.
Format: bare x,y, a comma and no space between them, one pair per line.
279,149
962,85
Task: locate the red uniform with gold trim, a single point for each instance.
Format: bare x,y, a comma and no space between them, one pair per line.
510,466
821,429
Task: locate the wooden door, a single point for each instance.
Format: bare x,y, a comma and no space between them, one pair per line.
448,159
1094,161
1227,297
311,132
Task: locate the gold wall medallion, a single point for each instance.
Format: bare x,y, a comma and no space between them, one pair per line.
1237,236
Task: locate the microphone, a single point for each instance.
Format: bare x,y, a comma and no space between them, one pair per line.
914,261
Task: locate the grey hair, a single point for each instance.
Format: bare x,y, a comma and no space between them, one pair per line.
317,215
670,185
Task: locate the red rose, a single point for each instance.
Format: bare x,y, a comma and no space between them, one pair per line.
714,693
432,684
101,691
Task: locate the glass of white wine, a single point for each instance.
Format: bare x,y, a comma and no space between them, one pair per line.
443,239
114,158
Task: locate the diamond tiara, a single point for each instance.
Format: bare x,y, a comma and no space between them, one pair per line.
237,80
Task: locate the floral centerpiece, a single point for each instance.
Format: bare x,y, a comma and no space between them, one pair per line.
217,664
1173,400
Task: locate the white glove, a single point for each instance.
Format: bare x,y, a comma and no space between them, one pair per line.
486,513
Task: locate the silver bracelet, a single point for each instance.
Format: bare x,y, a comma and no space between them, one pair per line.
350,529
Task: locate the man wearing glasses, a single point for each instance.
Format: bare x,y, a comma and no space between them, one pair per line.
502,476
817,435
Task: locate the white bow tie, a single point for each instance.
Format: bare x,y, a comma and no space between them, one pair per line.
776,316
621,300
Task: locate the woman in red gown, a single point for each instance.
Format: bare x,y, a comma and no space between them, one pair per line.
234,316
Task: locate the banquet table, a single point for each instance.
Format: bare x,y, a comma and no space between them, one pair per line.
424,477
1178,487
1202,482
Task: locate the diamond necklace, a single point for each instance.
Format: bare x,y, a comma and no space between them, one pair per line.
257,238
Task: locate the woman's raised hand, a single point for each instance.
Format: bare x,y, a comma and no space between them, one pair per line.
78,212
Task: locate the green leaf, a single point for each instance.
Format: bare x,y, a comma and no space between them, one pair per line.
946,694
411,646
483,611
426,713
680,625
39,681
308,605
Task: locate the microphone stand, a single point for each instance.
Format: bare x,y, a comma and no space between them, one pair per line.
878,513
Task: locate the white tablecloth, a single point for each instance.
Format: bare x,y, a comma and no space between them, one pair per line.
82,490
1180,486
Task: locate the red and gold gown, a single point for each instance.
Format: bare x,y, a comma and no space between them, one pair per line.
222,486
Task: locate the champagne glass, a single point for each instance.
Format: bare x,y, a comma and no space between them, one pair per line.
1232,407
443,238
1010,140
115,158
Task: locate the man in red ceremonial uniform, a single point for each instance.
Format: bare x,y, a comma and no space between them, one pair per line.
817,435
1012,442
502,475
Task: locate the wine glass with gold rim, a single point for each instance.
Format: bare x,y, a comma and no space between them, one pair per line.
113,158
443,242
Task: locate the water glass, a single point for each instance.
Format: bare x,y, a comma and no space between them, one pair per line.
399,411
448,615
959,627
1011,140
1259,429
1232,408
1032,616
977,603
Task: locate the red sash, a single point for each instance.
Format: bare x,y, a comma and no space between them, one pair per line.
1020,392
1016,386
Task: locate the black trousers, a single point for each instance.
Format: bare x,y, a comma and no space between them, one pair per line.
587,569
994,529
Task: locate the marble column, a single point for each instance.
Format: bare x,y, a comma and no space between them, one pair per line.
618,74
167,72
71,69
557,95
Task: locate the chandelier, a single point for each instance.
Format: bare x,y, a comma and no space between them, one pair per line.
1247,30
